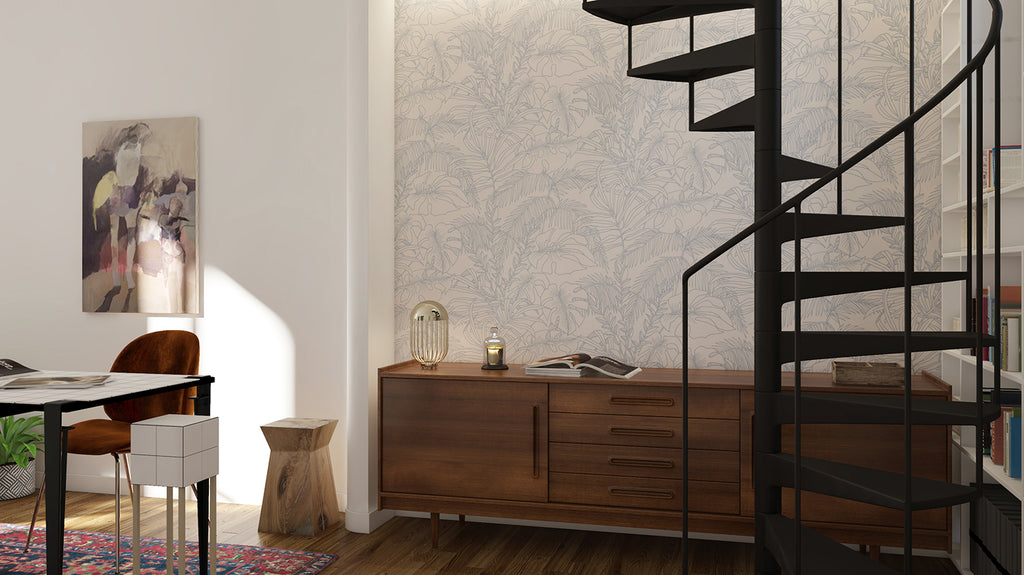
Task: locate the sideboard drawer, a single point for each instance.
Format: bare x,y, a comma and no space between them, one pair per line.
659,462
643,400
720,434
643,493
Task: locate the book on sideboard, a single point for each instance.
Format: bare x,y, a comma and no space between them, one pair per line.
578,364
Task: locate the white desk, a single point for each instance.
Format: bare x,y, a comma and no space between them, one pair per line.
54,403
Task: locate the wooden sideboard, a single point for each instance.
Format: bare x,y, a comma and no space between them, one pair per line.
602,451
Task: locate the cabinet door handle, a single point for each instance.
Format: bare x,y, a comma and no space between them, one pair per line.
536,441
659,401
649,463
645,493
638,432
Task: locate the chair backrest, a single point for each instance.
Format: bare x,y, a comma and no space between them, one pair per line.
171,352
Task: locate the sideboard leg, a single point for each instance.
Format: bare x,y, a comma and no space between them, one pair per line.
435,527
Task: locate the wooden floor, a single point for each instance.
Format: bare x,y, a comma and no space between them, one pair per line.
402,545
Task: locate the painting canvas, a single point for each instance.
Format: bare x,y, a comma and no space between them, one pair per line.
139,216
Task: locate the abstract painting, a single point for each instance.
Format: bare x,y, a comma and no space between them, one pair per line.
139,216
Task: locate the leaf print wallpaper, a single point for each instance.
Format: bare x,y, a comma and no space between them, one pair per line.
540,190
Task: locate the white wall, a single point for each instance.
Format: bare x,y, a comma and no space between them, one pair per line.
267,81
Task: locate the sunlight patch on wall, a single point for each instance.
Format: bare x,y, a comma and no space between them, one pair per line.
250,352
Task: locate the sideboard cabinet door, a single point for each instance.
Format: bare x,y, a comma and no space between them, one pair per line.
464,439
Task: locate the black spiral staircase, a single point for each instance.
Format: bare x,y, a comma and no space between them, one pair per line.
782,543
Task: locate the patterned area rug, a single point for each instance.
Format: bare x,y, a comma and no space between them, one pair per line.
88,553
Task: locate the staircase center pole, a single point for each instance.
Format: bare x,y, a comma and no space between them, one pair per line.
767,259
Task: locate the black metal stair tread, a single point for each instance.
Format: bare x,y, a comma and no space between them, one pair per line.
816,225
828,344
820,284
635,12
863,484
794,169
736,118
877,409
819,554
720,59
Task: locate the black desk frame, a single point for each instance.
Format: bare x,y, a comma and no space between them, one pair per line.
55,458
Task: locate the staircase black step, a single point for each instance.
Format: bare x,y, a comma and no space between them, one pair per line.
794,169
819,555
736,118
863,483
821,284
720,59
635,12
876,409
828,344
817,225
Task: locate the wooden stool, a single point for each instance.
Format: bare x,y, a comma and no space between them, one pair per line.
299,496
175,451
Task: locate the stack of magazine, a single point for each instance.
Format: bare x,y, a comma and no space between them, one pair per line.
578,364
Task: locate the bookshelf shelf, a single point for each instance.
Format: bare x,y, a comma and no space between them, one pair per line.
994,472
1008,379
1010,191
958,173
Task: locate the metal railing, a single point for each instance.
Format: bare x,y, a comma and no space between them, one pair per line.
974,67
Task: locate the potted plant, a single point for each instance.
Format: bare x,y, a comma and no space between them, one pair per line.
18,447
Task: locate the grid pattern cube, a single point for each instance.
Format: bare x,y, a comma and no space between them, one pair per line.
174,450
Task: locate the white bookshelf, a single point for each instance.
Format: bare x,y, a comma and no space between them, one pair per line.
960,369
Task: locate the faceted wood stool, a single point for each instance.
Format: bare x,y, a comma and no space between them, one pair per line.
299,496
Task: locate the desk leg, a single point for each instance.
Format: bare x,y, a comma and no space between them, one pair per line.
202,407
203,517
55,480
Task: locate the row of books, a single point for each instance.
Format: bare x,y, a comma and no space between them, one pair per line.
1005,442
1006,323
996,533
1011,167
974,231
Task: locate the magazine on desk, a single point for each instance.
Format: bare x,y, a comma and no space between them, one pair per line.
577,364
10,368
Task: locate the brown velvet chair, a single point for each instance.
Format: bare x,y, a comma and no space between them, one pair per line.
170,352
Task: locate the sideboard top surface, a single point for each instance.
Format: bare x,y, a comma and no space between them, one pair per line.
925,384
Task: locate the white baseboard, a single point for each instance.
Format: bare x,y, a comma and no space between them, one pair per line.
361,522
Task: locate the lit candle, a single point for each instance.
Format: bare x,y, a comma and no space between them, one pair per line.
494,355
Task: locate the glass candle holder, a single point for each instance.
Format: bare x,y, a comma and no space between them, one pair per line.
494,351
428,333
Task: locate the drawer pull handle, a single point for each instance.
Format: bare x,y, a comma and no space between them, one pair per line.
650,463
645,493
635,432
536,442
659,401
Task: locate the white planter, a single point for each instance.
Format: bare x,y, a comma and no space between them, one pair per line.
16,482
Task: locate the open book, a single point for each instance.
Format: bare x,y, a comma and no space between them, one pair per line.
574,365
10,368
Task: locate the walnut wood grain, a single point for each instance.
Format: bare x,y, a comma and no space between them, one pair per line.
631,400
644,493
662,462
718,434
585,424
461,438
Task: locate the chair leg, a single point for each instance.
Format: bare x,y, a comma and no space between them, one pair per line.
35,513
128,475
117,513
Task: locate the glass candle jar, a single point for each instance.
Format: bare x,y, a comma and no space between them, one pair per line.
494,351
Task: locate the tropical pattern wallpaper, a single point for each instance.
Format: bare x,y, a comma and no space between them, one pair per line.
542,191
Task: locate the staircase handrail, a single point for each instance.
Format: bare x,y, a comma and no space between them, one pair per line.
972,65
